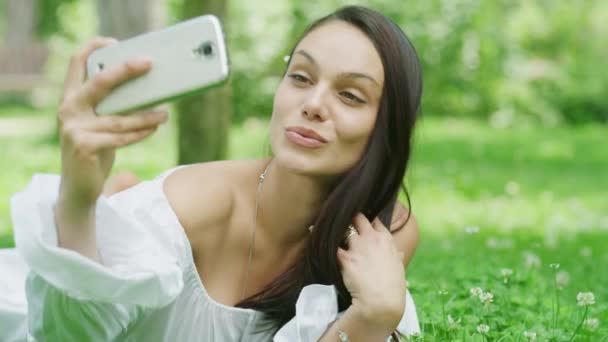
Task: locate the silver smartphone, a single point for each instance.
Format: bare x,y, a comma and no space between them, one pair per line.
186,58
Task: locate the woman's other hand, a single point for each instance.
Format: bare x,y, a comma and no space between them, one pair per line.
373,273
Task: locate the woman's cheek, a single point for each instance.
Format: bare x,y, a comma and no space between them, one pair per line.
353,140
352,129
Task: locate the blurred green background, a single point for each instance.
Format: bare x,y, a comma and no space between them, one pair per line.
510,159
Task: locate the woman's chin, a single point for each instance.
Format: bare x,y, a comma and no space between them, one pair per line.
308,165
298,162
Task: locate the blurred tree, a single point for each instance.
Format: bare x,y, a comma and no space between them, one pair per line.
301,17
123,19
204,119
20,22
556,61
48,21
509,62
22,55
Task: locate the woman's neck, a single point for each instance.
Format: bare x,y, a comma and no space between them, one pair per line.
288,204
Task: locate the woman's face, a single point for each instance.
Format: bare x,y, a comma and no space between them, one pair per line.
326,105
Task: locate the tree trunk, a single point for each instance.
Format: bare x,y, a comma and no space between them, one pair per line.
123,19
20,22
204,119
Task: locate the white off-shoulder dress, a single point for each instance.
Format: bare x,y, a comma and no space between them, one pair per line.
147,287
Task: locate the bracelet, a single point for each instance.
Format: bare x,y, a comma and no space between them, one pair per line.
343,336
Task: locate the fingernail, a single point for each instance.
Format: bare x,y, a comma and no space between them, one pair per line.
143,61
163,116
138,65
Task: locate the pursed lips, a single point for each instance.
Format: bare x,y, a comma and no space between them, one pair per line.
305,136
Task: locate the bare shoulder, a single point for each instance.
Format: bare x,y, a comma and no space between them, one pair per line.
203,194
406,232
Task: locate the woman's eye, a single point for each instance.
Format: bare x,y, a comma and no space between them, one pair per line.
299,78
351,97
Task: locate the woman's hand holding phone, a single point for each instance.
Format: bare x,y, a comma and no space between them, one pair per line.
88,141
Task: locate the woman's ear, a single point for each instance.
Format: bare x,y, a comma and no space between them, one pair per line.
399,217
386,214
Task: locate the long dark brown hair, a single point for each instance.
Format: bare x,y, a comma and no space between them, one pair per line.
372,185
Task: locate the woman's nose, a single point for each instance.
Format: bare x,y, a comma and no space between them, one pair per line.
314,106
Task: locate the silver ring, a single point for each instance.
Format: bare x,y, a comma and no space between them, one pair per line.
350,232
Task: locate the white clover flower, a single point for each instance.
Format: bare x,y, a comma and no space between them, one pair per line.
506,274
447,245
586,252
554,266
492,243
486,298
532,260
530,335
507,243
585,298
471,230
476,291
591,323
604,223
497,243
562,278
512,188
452,323
483,328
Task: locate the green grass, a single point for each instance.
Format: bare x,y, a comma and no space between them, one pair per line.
530,191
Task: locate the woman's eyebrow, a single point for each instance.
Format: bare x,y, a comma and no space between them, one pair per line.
354,75
307,55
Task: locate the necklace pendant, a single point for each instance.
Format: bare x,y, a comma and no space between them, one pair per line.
343,336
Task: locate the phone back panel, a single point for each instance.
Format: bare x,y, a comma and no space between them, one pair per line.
181,65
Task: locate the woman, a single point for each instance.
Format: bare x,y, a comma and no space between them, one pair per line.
303,246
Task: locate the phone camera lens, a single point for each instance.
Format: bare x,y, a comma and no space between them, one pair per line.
204,50
207,49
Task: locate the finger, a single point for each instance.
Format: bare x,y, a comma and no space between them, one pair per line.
100,85
362,224
101,140
378,225
77,68
123,124
342,256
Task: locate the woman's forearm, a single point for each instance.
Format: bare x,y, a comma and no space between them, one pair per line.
361,327
76,228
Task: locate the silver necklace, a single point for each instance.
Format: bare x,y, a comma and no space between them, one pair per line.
255,223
